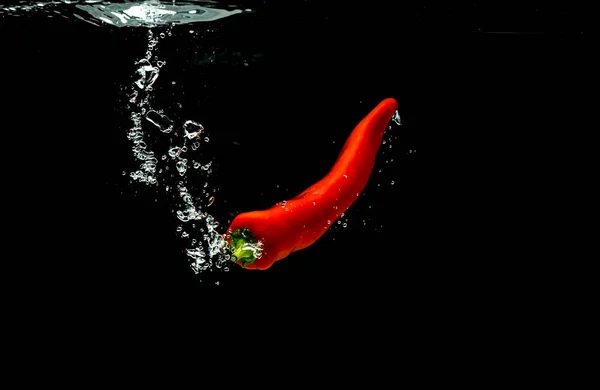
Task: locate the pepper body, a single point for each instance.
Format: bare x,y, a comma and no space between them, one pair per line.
298,222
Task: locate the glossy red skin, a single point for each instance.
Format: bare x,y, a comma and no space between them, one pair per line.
285,229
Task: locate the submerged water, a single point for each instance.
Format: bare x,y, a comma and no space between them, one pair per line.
168,148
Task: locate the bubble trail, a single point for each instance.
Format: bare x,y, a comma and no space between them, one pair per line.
205,246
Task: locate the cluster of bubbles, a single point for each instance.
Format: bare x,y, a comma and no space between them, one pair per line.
210,250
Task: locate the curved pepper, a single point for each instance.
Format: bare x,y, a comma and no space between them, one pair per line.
257,239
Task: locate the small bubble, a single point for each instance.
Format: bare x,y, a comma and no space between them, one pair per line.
392,182
191,31
339,222
162,35
179,228
314,203
164,157
181,166
197,165
384,142
283,203
206,139
344,224
184,235
174,151
210,201
124,173
328,222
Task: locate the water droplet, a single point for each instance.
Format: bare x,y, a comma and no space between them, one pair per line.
383,142
283,203
345,176
344,224
328,222
314,203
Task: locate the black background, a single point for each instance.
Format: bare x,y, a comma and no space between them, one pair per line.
482,91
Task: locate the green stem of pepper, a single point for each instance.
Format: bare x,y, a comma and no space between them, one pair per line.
244,246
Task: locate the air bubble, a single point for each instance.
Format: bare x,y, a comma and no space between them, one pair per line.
160,120
396,118
192,129
181,166
174,151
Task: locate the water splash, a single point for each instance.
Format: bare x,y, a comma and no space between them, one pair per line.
149,13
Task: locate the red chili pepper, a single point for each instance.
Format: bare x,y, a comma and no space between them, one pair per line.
260,238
